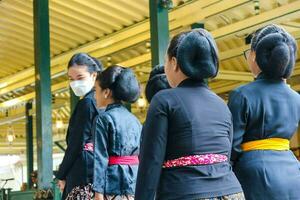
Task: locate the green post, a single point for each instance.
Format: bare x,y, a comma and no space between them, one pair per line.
29,143
43,93
159,28
197,25
73,100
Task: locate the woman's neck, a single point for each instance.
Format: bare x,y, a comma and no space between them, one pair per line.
107,102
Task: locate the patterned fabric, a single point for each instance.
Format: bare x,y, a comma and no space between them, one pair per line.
119,197
88,147
81,193
237,196
206,159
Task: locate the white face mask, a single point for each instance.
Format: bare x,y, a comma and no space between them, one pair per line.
82,87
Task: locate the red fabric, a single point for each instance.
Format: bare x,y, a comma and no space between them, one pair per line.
206,159
123,160
88,147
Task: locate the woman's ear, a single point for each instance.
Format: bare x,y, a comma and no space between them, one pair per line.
253,57
94,76
107,93
174,63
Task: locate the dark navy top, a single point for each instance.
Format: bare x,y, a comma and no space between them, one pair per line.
264,109
77,164
117,133
187,120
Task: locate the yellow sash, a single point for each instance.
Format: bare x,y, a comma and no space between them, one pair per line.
278,144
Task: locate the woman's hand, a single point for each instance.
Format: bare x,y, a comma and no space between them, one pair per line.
61,184
98,196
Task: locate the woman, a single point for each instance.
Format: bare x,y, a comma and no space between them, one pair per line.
117,135
187,134
75,170
157,81
266,114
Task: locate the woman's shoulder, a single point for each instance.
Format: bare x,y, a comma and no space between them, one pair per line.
164,96
247,90
86,101
117,115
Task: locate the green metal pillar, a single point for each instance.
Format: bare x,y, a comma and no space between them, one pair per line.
29,143
159,28
43,93
197,25
73,100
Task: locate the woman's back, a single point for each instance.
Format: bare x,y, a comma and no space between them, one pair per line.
199,123
117,134
266,114
124,131
272,110
271,106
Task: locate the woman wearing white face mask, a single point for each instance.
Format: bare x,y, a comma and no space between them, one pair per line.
75,173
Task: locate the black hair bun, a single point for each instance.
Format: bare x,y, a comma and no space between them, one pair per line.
197,55
276,55
126,86
157,81
158,69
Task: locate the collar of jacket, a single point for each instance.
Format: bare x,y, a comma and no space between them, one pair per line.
113,105
90,93
262,76
192,83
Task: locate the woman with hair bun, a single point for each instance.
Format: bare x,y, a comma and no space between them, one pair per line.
266,114
75,173
117,135
157,82
187,134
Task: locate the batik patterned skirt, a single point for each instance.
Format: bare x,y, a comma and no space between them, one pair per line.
81,193
237,196
119,197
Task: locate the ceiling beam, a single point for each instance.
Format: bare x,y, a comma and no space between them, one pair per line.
31,95
139,60
131,62
133,35
277,15
296,87
228,88
281,12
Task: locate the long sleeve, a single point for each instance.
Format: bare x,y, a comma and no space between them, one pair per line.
82,123
238,106
153,148
230,139
101,155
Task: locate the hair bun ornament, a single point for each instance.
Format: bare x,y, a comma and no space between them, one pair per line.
197,55
276,55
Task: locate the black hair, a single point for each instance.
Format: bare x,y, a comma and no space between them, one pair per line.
157,81
196,53
276,51
121,81
174,43
93,64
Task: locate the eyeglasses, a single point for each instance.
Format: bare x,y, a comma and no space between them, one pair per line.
246,53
